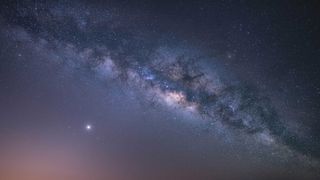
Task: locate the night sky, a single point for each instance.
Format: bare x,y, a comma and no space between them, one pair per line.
159,90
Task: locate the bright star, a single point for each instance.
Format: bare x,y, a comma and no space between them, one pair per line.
88,127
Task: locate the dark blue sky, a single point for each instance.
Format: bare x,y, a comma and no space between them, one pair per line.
170,90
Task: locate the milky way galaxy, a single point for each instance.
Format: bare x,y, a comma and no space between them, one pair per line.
145,91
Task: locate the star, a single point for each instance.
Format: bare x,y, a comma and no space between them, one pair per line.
88,127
